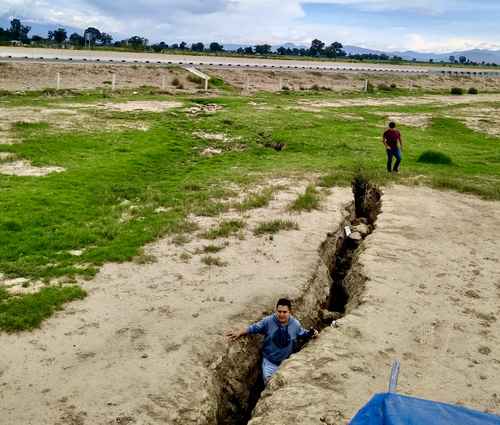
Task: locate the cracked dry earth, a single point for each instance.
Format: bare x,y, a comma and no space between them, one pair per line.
432,300
142,346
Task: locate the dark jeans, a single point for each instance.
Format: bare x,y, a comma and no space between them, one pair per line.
393,152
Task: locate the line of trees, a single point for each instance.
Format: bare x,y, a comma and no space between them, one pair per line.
93,37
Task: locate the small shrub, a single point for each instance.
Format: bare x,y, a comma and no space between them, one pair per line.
176,82
213,261
180,239
210,249
315,87
383,87
308,201
194,79
457,91
370,88
433,157
472,90
394,86
331,180
225,229
255,200
275,226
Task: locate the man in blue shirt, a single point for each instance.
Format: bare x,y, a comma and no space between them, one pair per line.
280,331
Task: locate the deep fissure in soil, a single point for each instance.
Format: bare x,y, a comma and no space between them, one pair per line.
238,395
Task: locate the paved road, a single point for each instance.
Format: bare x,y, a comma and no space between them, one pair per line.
79,56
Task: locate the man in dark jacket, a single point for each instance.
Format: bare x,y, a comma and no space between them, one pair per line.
280,331
393,145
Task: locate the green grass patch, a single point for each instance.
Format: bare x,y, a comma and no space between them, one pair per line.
308,201
275,226
104,203
224,230
255,200
433,157
25,312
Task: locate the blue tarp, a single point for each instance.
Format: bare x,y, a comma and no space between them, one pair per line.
396,409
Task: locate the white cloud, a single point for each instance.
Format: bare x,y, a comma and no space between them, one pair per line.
242,21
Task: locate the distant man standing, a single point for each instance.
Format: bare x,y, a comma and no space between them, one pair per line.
280,331
393,145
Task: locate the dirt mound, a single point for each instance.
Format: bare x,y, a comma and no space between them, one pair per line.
137,105
26,169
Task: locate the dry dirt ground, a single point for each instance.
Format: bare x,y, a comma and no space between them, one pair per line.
143,346
346,81
35,76
432,300
31,76
139,348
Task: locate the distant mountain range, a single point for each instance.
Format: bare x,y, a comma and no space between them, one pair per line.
475,55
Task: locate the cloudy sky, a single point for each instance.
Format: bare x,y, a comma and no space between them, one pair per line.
421,25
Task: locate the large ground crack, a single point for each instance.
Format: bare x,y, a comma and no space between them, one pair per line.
237,376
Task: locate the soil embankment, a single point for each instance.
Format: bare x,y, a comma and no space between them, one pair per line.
147,345
431,300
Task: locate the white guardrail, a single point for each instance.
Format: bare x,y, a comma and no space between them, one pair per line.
234,63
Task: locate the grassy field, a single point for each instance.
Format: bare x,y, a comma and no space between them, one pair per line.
106,204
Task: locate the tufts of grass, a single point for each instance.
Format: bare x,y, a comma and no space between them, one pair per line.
457,91
213,261
180,239
210,249
275,226
433,157
225,229
308,201
335,179
210,209
25,312
255,200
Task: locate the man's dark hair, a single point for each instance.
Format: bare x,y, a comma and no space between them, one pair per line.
392,124
285,302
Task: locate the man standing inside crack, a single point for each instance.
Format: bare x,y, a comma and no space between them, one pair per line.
281,331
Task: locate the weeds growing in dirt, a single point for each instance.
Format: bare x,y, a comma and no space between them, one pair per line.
213,261
308,201
275,226
224,230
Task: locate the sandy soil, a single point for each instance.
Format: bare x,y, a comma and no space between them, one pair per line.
141,347
398,101
431,301
485,120
38,76
255,80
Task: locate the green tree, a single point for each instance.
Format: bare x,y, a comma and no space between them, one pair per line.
462,59
216,47
263,49
59,35
137,42
105,39
197,47
90,35
248,50
316,48
335,50
18,31
452,59
183,45
76,39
